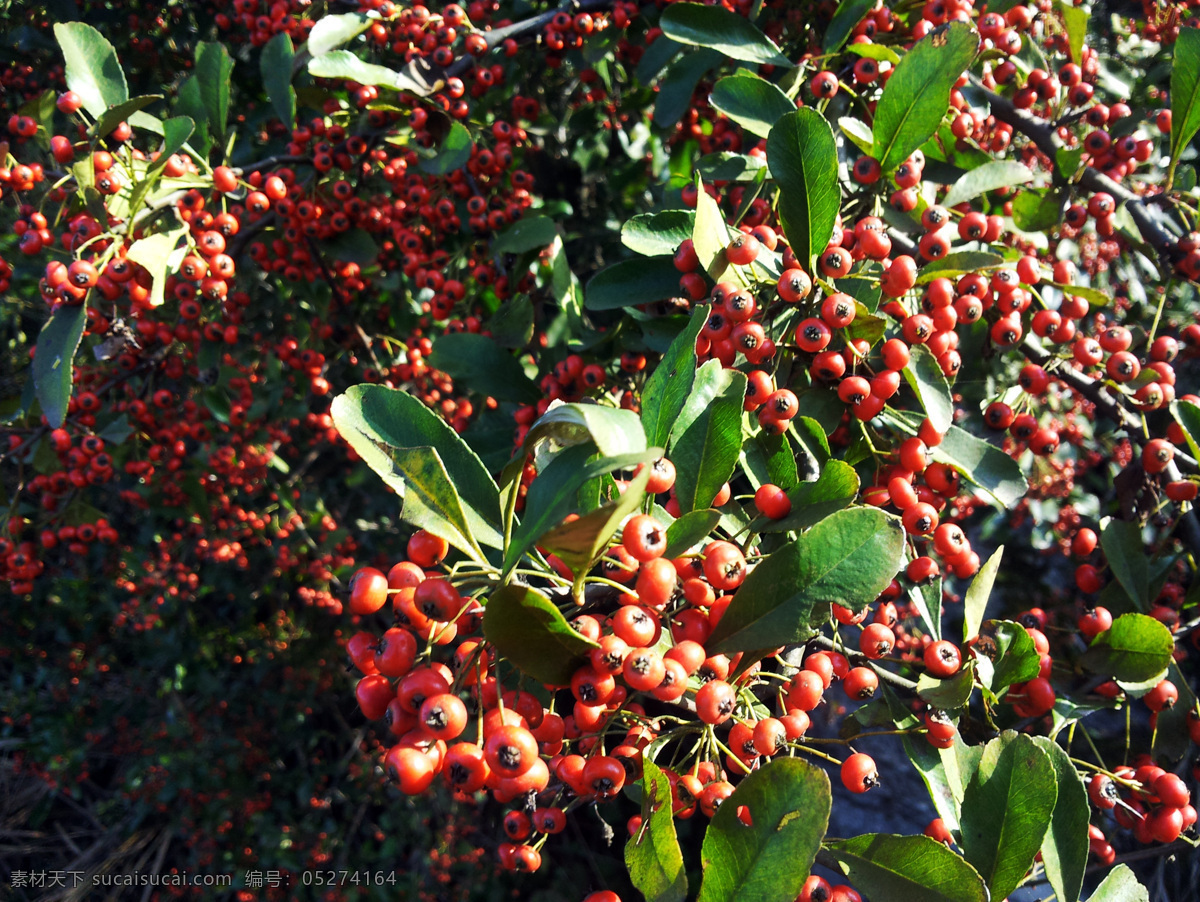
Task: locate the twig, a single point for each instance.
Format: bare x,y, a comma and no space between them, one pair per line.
242,238
526,28
158,863
859,659
327,273
271,162
366,340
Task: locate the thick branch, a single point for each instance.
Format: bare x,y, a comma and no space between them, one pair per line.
1045,137
1093,390
1085,386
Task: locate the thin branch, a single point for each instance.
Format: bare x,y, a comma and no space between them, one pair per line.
862,660
525,29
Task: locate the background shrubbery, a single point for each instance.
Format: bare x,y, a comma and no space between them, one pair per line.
492,222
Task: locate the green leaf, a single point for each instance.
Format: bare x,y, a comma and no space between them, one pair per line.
453,153
752,102
926,601
1141,687
720,29
1125,552
808,443
40,108
980,590
531,633
581,542
512,325
176,131
669,385
985,178
116,431
947,694
1187,415
275,64
1120,886
53,362
154,253
1185,178
1006,810
849,13
330,32
93,71
925,377
770,459
958,263
213,68
484,367
880,52
615,432
865,293
1185,91
1136,647
431,501
654,234
812,502
1065,846
1036,210
148,123
917,95
188,102
216,399
652,854
1069,160
1093,296
352,246
730,167
788,802
1005,654
1075,20
420,80
658,53
867,326
887,866
687,531
945,773
858,132
707,436
529,234
642,280
802,154
985,465
114,116
710,236
848,558
678,84
553,494
386,426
